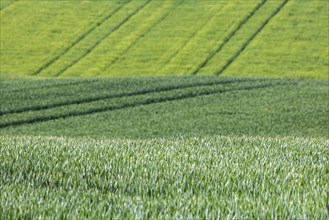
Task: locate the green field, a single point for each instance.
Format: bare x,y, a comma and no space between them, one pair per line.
164,147
274,38
208,177
176,109
165,107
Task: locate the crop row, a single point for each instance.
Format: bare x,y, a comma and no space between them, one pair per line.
149,37
240,38
179,43
292,44
123,35
33,43
96,42
84,35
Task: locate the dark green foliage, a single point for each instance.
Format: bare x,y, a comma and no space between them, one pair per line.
165,106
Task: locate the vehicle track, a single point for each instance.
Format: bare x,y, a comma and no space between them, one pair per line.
227,39
188,41
131,105
104,37
146,32
121,95
230,61
53,60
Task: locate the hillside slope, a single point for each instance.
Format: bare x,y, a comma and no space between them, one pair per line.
164,107
176,37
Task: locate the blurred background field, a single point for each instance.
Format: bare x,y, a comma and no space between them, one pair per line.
277,38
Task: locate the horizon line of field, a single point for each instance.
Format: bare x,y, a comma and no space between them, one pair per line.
127,94
134,104
203,64
49,86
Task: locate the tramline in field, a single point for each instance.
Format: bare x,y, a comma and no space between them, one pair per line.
147,38
173,109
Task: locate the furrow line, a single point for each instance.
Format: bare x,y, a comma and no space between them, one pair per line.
104,37
227,39
130,105
186,43
83,36
145,33
230,61
142,92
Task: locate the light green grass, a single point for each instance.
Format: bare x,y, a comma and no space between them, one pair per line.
236,42
208,177
34,32
294,44
148,38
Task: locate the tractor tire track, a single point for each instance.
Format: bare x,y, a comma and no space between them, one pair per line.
251,38
104,37
121,95
146,32
83,36
131,105
188,41
227,39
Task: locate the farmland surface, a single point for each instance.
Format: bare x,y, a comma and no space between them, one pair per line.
164,106
173,109
274,38
208,177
